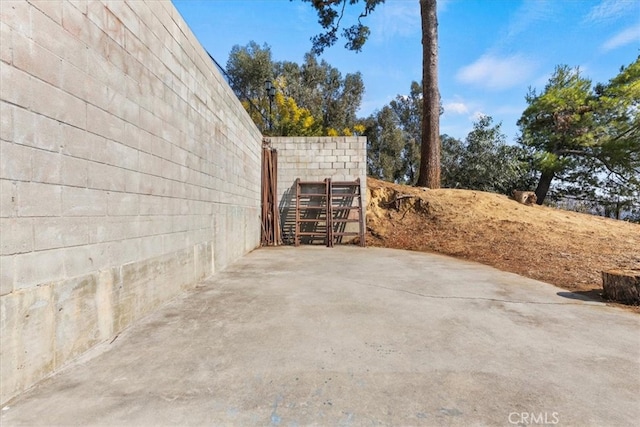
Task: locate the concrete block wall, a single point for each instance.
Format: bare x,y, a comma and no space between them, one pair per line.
128,172
314,159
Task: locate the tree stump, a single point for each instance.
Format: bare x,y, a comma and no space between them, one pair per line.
622,286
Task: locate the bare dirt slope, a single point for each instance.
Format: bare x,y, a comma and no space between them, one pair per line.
567,249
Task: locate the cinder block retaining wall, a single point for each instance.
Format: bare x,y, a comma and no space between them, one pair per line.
314,159
129,171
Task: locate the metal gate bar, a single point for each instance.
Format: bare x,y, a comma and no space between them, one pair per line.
324,208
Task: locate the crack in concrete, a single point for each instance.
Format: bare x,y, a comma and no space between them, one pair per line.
582,303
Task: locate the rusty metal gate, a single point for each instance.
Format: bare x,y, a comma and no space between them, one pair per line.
325,208
270,215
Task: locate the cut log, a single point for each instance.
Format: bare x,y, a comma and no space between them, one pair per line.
622,286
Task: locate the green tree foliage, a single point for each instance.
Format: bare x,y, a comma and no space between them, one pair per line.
316,88
484,161
408,109
396,131
330,14
385,143
618,132
586,138
453,151
248,67
321,88
617,119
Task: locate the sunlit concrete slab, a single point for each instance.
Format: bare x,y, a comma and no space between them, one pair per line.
353,336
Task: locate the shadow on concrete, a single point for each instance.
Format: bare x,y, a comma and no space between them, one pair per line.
288,215
590,295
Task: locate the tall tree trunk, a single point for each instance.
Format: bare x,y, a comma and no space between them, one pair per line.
429,175
543,186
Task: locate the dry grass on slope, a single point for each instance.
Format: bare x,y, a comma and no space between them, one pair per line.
567,249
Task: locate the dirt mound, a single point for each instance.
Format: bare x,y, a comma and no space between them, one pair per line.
565,248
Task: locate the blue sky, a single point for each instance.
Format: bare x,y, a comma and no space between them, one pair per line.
491,51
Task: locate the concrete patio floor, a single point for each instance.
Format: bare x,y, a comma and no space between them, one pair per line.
351,336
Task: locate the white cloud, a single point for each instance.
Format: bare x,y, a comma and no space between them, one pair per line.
611,9
395,18
497,73
456,108
623,38
527,15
